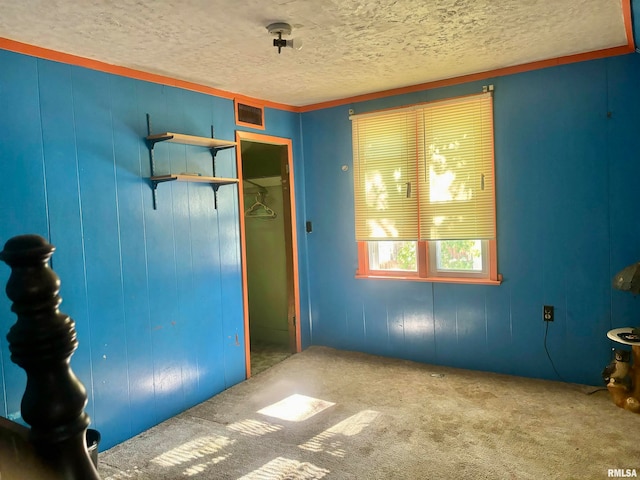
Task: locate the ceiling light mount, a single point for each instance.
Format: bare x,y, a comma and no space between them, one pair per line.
280,29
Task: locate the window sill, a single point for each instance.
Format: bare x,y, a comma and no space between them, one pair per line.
471,281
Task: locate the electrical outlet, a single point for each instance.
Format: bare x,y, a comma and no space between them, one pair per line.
547,313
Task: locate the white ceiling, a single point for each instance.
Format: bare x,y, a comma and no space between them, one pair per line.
350,47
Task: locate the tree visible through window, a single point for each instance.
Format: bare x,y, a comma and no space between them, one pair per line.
394,256
424,190
459,255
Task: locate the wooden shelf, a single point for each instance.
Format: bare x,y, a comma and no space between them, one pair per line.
194,178
190,140
213,144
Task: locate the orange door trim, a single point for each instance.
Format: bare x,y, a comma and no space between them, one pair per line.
258,137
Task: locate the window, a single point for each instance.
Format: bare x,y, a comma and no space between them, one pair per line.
425,191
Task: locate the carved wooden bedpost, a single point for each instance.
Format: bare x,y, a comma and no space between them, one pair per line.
42,342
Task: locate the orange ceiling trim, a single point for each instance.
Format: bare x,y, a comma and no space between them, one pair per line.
67,58
48,54
628,22
581,57
500,72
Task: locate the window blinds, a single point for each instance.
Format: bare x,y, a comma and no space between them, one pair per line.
425,172
385,174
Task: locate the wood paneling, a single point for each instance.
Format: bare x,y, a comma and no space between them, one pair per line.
156,294
565,168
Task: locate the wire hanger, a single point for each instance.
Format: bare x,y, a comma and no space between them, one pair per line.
259,209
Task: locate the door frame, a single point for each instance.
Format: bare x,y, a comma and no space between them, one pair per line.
261,138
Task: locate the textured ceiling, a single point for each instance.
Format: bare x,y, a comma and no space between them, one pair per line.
350,47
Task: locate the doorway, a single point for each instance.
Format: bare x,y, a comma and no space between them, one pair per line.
269,249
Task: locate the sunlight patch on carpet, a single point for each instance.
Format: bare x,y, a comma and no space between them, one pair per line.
254,428
201,467
192,450
327,441
296,408
284,468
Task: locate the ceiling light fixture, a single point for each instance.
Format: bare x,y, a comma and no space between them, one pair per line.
280,29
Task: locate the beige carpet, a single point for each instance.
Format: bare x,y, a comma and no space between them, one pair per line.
331,414
264,356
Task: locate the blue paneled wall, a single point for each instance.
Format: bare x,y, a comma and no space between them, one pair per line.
156,294
567,165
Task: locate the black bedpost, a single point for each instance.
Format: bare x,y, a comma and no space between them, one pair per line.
42,342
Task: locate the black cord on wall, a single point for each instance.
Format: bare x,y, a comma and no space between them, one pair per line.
546,331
